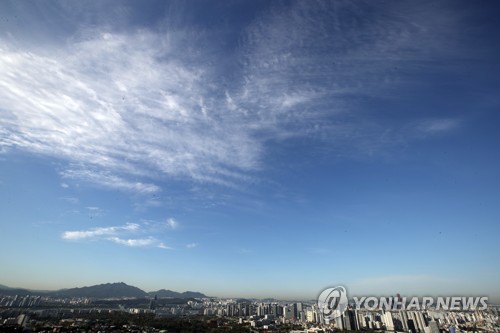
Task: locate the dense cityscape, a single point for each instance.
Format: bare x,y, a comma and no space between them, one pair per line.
39,313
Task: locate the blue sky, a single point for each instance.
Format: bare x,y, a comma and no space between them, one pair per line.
251,148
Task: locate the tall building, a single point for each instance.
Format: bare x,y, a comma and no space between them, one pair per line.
246,310
411,326
260,310
419,320
388,321
229,310
351,324
152,303
434,327
339,323
404,320
288,312
311,316
295,311
22,320
274,309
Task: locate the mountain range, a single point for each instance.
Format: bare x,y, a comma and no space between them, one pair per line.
107,290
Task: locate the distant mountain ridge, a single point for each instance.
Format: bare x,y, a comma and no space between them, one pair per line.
16,291
107,290
175,294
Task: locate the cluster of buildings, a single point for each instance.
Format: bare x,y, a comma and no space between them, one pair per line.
271,314
28,301
19,301
422,321
261,315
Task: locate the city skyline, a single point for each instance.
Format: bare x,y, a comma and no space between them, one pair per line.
289,316
367,302
251,148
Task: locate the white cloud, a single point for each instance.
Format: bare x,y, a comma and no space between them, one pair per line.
99,231
192,245
438,125
108,180
121,234
162,245
134,242
305,63
127,111
172,223
121,107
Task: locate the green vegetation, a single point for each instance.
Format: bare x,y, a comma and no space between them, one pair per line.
124,322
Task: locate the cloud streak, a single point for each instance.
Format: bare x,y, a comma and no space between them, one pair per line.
133,242
310,70
128,110
121,106
434,126
172,223
99,231
121,234
108,180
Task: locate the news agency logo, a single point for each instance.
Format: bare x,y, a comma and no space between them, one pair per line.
332,302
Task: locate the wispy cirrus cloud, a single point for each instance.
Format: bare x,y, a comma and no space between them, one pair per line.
162,245
121,106
153,225
434,126
134,242
100,231
108,180
129,109
172,223
310,70
121,234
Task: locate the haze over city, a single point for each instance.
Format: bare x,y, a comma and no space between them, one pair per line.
251,148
